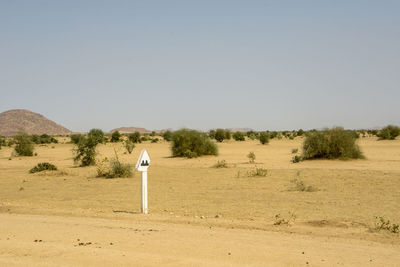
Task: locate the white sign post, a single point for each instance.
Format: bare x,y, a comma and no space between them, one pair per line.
142,164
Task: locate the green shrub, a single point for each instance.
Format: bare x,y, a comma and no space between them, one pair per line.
191,144
252,157
390,132
335,143
219,135
264,138
238,136
211,134
167,135
24,145
129,146
86,147
145,138
295,150
134,137
221,164
300,132
155,140
297,159
43,139
115,136
44,166
384,224
75,138
257,172
116,169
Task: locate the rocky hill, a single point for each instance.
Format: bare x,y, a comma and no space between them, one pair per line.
12,121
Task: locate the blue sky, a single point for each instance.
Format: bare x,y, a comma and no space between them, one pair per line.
267,65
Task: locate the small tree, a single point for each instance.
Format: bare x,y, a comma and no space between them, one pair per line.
228,134
252,157
86,148
264,138
192,143
390,132
135,137
24,145
115,136
220,135
238,136
211,134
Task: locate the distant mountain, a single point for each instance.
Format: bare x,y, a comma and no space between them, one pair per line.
12,121
130,130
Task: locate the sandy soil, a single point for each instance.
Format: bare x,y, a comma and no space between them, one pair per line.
334,224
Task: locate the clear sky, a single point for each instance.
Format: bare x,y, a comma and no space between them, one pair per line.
267,65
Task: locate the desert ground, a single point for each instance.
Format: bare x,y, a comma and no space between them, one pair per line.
200,215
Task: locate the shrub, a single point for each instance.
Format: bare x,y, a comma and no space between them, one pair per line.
24,145
335,143
75,138
135,137
297,159
299,185
252,157
390,132
96,136
191,143
116,169
43,139
384,224
295,150
129,146
264,138
44,166
86,147
219,135
279,220
238,136
115,136
211,134
221,164
257,172
155,140
167,135
300,132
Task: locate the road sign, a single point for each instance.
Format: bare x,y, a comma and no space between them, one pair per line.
142,165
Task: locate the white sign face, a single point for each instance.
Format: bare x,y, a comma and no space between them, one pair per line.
143,162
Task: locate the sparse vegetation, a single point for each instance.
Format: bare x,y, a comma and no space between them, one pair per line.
24,145
295,150
251,156
221,164
299,185
384,224
44,166
191,144
43,139
335,143
258,172
115,168
289,220
390,132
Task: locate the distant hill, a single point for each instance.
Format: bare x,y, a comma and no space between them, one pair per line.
12,121
123,130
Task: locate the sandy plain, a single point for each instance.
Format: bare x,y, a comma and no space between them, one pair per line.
200,215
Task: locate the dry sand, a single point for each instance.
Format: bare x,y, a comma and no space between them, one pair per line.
334,225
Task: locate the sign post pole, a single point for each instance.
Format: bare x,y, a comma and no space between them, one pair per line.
144,193
142,165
